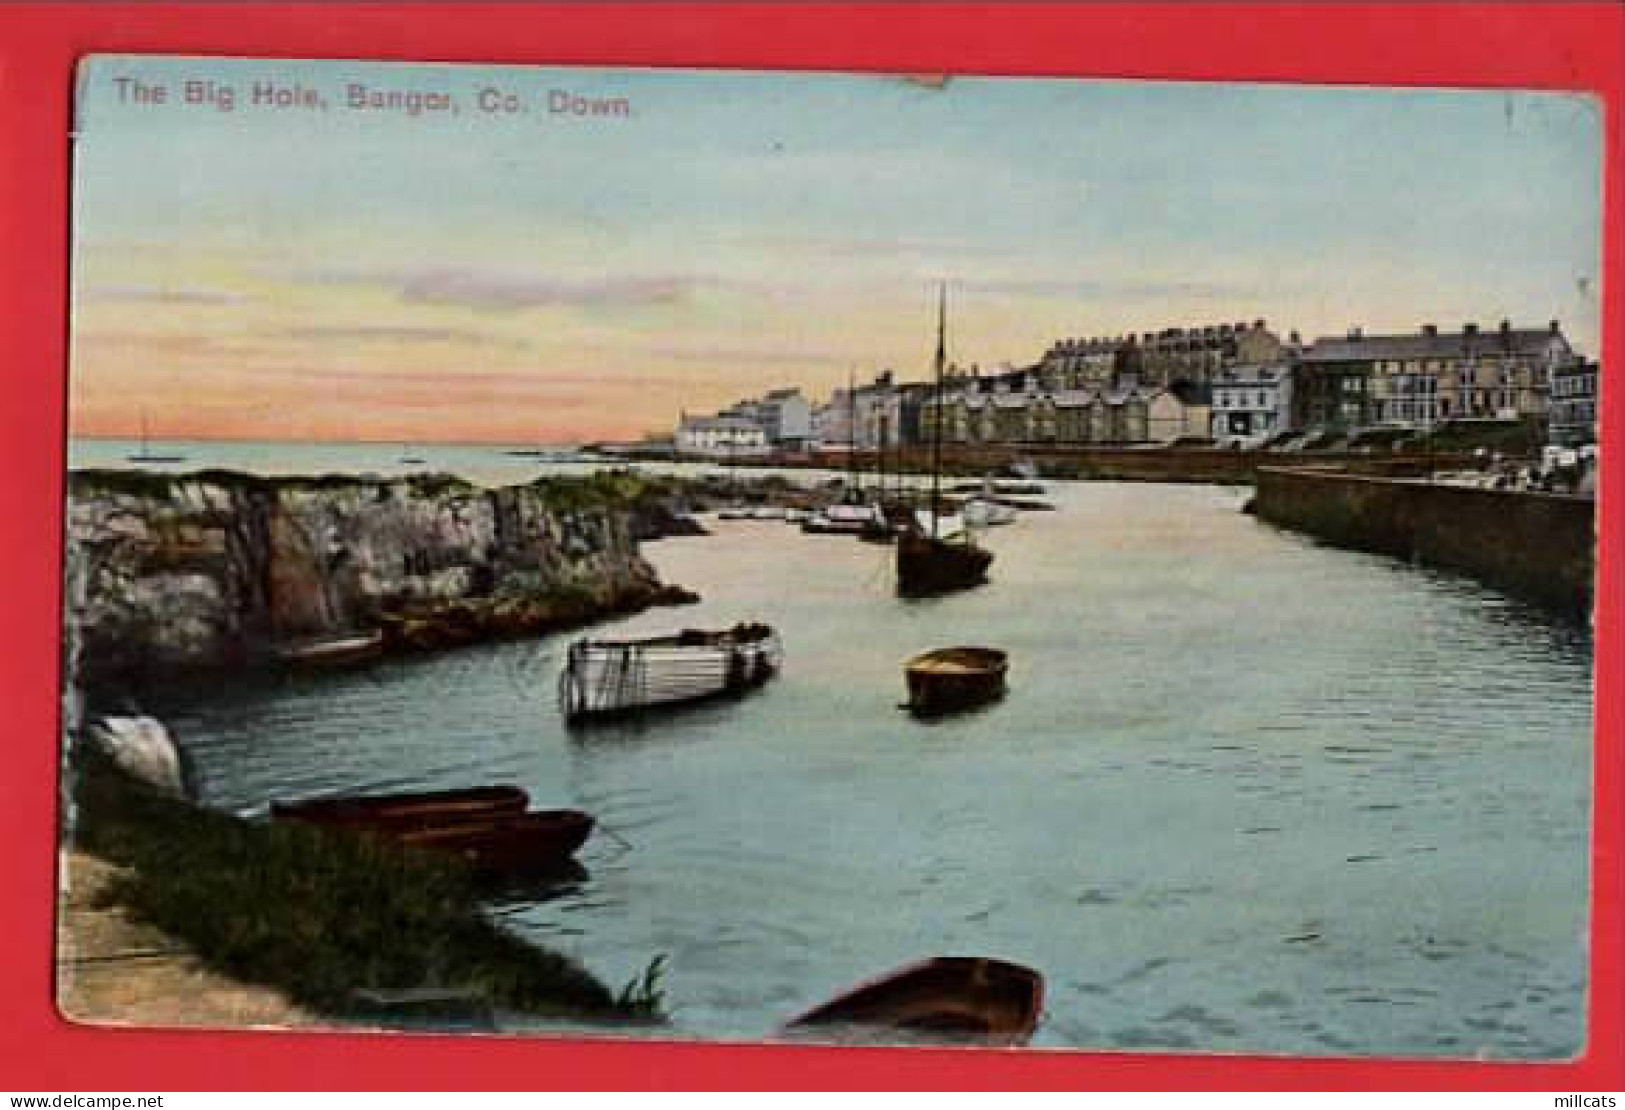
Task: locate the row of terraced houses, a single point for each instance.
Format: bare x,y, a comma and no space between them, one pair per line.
1233,384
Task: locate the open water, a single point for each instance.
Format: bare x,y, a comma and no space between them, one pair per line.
1247,793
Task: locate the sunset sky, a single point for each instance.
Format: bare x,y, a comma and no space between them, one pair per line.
534,277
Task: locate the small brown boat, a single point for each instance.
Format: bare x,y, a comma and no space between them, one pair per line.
339,651
406,811
951,679
954,999
506,843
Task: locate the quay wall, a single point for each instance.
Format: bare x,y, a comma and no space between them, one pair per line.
1540,547
1127,464
219,570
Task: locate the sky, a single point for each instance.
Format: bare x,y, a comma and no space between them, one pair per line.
486,268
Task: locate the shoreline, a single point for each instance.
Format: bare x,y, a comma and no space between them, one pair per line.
279,925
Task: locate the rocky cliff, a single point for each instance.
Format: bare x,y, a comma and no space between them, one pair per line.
220,570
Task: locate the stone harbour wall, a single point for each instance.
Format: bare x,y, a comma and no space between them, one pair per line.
1541,547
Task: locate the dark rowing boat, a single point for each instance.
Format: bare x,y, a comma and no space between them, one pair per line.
951,679
405,811
507,844
954,999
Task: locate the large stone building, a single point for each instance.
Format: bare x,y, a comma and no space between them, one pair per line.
1167,357
1419,380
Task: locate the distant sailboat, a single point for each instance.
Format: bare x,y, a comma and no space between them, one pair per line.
929,563
409,457
147,454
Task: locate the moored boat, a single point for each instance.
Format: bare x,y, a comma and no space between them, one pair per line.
957,999
928,562
930,565
419,809
951,679
982,512
337,651
847,518
506,843
607,677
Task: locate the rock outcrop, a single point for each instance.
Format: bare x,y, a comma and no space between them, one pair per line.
220,570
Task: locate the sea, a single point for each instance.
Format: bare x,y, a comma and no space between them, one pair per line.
1247,792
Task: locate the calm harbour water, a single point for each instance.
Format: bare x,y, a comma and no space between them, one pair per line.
1247,793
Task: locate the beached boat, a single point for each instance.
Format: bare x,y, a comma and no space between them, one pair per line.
606,677
505,843
421,809
951,679
337,651
954,999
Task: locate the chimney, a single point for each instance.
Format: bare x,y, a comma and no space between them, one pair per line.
1506,327
1555,330
1430,330
1469,329
1356,332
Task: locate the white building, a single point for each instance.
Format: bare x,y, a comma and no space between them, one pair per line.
724,435
1251,403
785,416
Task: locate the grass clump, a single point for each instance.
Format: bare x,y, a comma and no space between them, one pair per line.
320,914
602,489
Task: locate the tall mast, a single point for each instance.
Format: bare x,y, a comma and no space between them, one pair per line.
852,429
936,425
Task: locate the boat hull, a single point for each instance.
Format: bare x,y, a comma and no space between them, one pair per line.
326,654
526,843
927,567
951,680
606,679
951,999
405,811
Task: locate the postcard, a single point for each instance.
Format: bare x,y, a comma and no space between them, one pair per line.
809,557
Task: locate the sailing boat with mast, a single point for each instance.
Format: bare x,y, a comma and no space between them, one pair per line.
147,454
929,563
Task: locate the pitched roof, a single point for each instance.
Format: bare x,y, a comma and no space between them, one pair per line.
1456,344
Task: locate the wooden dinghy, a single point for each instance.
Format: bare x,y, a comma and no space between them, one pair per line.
951,679
340,651
405,811
609,677
955,999
506,844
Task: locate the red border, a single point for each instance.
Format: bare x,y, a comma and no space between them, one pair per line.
1570,46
